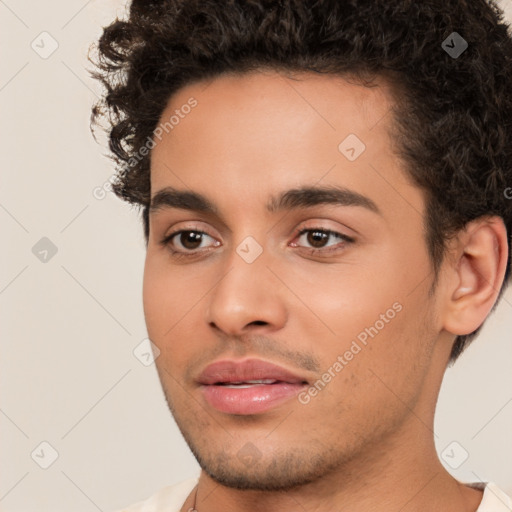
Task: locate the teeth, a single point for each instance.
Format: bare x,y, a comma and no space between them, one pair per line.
262,381
248,383
238,386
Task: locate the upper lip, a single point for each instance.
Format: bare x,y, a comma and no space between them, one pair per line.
250,369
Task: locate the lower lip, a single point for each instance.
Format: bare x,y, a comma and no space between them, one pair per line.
252,400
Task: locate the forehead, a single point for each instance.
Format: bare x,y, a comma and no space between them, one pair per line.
253,134
271,100
314,89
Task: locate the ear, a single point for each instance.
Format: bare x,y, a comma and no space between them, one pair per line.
475,273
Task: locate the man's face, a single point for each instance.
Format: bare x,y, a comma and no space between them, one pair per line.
353,320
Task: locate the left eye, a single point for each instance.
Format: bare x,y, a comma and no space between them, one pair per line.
318,236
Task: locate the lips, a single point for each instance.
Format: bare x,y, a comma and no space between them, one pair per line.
228,372
248,387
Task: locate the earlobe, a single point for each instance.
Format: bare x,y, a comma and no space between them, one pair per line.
478,271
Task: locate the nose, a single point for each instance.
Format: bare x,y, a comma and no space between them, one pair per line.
247,296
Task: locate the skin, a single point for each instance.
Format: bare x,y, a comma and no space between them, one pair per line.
366,440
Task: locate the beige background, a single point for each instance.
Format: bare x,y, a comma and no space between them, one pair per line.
69,325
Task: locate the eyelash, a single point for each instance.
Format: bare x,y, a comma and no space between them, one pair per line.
166,242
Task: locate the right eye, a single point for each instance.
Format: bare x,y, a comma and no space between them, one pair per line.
187,240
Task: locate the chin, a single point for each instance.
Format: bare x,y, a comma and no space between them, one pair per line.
263,472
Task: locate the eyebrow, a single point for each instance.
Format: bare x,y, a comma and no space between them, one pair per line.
303,197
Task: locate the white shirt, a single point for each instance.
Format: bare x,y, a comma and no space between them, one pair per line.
172,498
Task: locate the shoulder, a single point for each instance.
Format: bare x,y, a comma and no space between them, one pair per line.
494,499
167,499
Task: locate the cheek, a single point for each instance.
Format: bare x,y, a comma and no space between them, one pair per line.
363,323
338,302
172,301
166,297
154,296
368,387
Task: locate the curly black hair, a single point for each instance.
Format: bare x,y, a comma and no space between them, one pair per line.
453,114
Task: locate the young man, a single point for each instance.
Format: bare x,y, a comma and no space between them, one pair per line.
326,202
